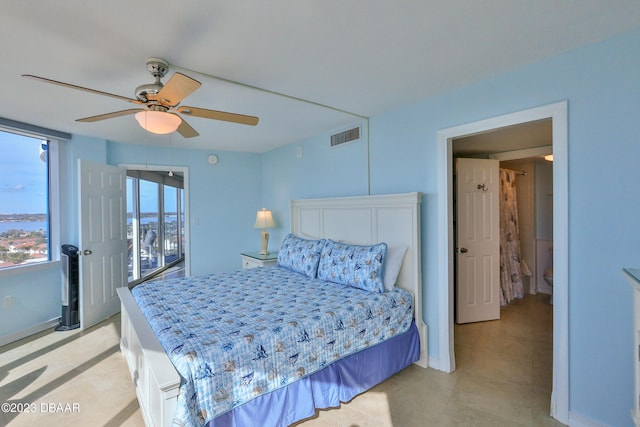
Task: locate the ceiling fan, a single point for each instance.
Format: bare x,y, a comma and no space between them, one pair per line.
161,102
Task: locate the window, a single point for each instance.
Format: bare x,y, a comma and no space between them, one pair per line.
24,200
29,196
155,222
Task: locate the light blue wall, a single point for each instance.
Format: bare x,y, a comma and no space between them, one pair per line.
320,172
80,147
223,200
36,299
602,86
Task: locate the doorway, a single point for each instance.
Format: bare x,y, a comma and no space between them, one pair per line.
558,114
504,228
157,221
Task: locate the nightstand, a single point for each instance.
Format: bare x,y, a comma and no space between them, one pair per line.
254,260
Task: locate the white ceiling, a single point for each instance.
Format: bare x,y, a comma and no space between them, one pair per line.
360,57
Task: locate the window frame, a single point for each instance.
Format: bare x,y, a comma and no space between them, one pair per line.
53,139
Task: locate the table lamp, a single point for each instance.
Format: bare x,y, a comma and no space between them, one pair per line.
264,220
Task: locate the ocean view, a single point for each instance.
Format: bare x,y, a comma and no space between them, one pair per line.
23,225
42,225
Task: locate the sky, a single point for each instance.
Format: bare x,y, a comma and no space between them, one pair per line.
149,198
23,186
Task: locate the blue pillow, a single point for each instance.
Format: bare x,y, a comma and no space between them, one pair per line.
300,255
353,265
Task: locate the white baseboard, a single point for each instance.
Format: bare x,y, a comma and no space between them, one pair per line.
576,420
7,339
434,363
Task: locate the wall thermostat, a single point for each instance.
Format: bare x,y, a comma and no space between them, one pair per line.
213,159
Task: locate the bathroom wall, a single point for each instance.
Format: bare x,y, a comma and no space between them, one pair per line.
544,221
544,199
544,249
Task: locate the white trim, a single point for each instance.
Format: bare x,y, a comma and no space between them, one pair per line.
434,363
55,223
29,268
42,326
558,113
187,228
576,420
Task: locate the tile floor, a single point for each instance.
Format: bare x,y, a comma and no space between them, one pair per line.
503,378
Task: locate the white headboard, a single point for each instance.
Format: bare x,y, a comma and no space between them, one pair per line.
391,218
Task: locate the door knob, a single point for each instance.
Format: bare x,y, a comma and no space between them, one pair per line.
87,252
464,250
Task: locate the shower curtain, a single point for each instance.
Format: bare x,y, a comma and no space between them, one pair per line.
510,271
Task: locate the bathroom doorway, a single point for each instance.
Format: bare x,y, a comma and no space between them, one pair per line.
524,153
558,114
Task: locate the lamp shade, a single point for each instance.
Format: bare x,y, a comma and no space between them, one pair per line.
264,219
158,121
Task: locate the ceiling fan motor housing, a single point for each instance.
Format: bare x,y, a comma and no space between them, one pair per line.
158,68
143,91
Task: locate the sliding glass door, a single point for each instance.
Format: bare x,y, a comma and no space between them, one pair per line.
155,222
150,256
172,224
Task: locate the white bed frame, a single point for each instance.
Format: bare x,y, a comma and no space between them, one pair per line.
394,219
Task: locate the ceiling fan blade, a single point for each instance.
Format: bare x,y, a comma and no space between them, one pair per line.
219,115
110,115
186,130
72,86
176,89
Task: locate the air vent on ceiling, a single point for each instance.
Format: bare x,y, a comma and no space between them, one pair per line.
342,137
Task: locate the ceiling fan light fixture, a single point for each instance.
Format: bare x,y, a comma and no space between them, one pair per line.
155,100
158,122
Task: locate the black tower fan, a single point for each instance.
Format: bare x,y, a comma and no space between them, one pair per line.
70,288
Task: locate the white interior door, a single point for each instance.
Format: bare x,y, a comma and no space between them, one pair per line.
477,240
103,240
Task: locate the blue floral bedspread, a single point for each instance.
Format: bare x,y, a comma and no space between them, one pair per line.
234,336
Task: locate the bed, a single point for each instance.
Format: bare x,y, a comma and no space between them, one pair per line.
323,380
